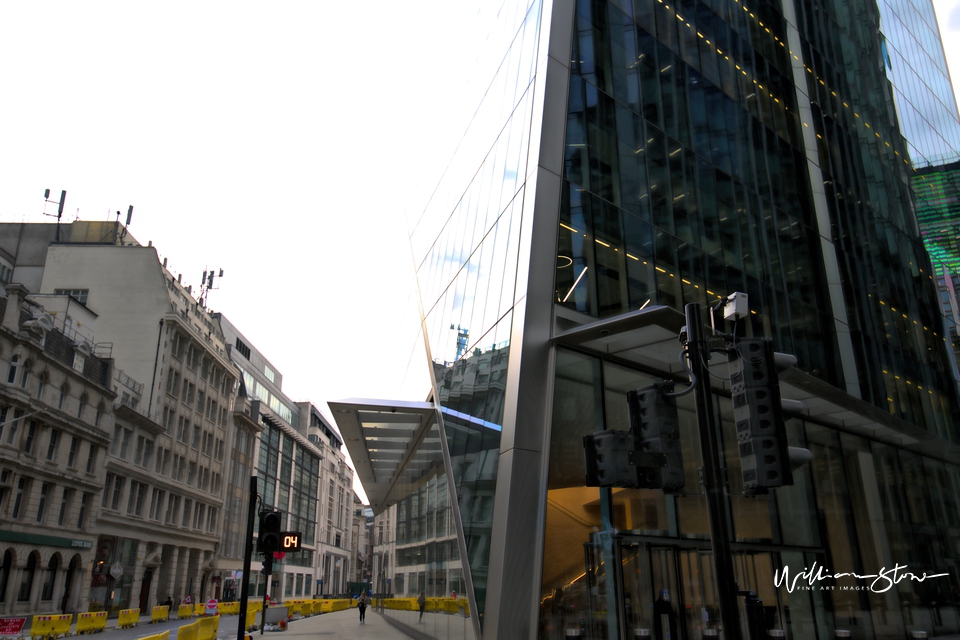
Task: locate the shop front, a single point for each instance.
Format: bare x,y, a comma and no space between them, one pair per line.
111,582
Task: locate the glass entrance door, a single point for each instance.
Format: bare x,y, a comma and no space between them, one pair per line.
635,602
754,570
701,611
648,602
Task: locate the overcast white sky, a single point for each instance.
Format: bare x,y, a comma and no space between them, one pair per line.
284,143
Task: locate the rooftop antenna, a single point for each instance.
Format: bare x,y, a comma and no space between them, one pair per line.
123,234
207,284
63,198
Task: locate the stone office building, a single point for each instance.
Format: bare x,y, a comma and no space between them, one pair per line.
56,416
157,519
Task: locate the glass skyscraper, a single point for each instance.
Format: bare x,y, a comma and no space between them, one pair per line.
629,158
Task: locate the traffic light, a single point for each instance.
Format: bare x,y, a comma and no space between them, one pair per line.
759,413
653,419
269,537
648,456
607,458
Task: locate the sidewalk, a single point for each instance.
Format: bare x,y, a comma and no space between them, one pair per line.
341,624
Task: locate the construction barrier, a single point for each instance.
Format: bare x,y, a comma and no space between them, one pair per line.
401,604
164,635
189,631
228,608
329,606
251,622
449,606
208,628
54,626
199,608
185,611
300,608
160,614
91,622
433,605
128,618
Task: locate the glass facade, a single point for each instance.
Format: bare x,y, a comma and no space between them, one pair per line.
466,246
937,189
938,210
915,63
859,505
288,477
697,148
686,178
427,553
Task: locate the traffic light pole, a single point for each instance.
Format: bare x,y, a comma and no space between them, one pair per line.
698,352
247,553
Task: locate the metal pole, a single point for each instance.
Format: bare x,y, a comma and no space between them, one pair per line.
266,591
247,553
713,482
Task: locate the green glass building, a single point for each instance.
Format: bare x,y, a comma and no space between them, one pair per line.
630,158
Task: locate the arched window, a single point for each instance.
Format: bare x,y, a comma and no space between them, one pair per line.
64,391
99,414
83,402
14,365
26,579
5,574
50,576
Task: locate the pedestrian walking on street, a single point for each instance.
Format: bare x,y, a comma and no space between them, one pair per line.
422,601
362,605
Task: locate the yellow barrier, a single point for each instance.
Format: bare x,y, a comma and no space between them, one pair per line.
433,605
329,606
449,606
199,608
251,622
51,626
128,618
189,631
163,635
208,628
91,622
160,614
228,608
185,611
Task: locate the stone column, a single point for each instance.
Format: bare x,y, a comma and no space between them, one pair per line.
181,571
198,574
59,581
79,587
170,561
36,586
136,584
13,584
